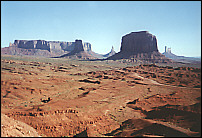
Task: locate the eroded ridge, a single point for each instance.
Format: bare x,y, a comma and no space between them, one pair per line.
63,122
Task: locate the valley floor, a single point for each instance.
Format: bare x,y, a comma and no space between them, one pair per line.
63,97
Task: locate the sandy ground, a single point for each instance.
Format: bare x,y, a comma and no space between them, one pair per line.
63,97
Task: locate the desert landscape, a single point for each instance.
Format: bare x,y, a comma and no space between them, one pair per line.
137,92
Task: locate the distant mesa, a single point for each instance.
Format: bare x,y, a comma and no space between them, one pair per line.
80,51
77,49
168,53
47,45
41,48
181,59
140,46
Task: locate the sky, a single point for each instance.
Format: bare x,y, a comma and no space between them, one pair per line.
176,24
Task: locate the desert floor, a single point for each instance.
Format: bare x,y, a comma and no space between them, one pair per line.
63,97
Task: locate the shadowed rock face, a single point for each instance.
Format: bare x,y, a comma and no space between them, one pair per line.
139,42
79,46
139,46
80,51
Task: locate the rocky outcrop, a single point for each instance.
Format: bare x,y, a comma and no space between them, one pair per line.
13,50
78,46
139,46
81,51
48,45
67,46
139,42
111,53
102,56
87,46
77,49
14,128
43,48
181,59
33,44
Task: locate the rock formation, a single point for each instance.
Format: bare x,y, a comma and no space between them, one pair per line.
139,42
77,49
181,59
139,46
79,46
41,48
80,51
102,56
48,45
15,128
13,50
111,53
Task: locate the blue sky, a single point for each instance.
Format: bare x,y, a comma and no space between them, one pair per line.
176,24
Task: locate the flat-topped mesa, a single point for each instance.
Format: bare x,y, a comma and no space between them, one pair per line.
48,45
139,42
140,46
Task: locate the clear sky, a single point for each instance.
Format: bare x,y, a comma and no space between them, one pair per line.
176,24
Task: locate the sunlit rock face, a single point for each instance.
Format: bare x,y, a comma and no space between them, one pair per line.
49,45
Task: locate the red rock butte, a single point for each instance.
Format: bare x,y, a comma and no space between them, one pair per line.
140,45
139,42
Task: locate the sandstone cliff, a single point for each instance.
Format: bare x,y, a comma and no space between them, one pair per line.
48,45
81,51
139,42
41,48
139,46
13,50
